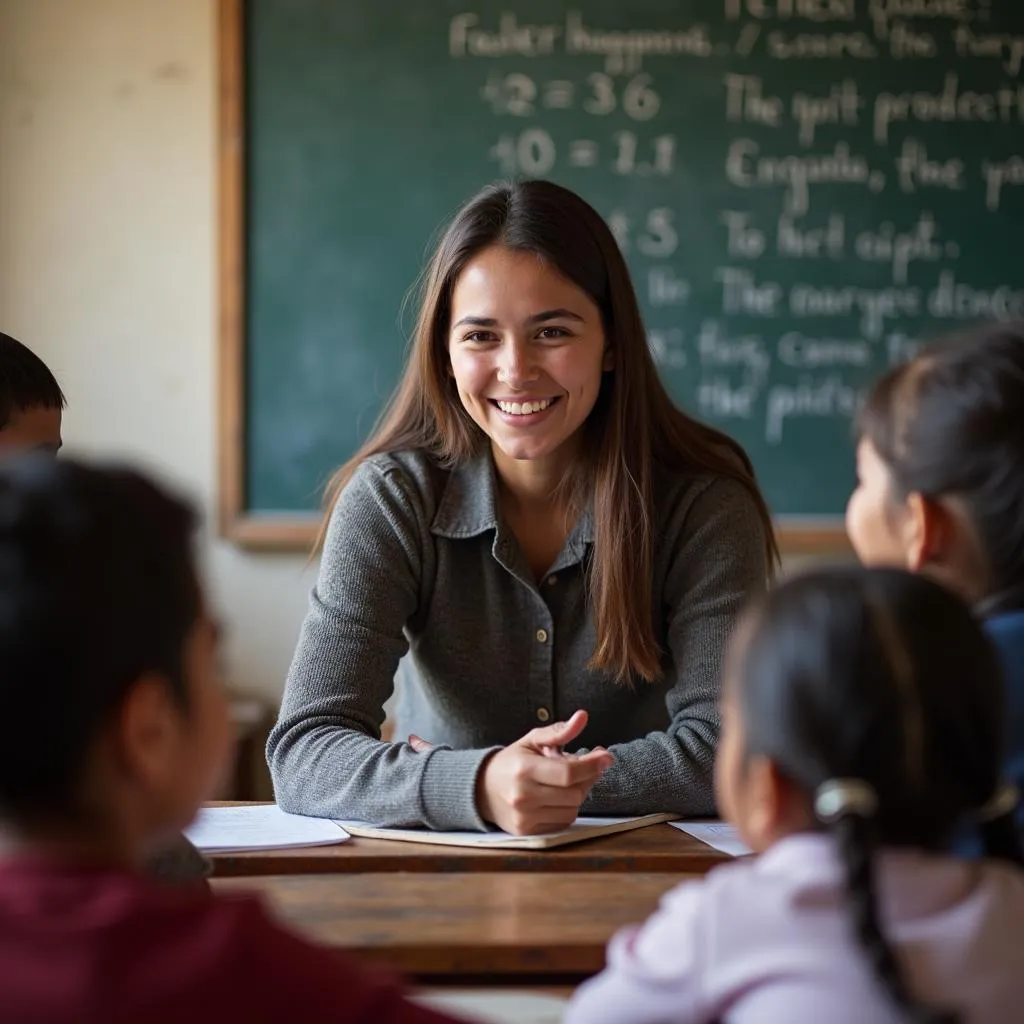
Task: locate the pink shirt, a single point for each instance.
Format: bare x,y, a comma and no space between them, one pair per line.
770,940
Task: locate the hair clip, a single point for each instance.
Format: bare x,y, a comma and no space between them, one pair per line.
1003,802
839,797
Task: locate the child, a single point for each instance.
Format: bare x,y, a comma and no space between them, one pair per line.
862,720
31,400
941,488
31,403
109,653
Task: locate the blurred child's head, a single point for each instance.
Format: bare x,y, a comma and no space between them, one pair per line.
116,726
941,446
868,674
31,401
868,703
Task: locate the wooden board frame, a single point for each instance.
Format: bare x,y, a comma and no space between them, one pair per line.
236,522
298,532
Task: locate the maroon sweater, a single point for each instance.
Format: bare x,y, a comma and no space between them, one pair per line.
87,944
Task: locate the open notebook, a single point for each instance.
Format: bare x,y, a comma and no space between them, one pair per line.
582,828
267,827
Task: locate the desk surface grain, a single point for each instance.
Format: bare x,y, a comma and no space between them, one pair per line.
656,848
462,927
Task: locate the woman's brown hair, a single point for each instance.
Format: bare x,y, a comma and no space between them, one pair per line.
633,427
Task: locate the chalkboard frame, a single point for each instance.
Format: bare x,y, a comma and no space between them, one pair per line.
237,523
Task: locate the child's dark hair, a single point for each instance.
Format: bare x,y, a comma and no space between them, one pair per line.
885,679
951,423
25,381
97,587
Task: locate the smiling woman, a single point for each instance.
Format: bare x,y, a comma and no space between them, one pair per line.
533,534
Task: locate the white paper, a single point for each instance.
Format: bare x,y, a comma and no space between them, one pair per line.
718,834
496,1006
498,838
259,827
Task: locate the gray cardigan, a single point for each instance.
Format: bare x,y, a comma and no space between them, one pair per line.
418,563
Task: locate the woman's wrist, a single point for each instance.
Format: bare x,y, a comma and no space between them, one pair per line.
482,797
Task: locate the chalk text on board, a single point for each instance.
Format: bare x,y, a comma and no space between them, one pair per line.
465,39
1001,45
884,11
916,171
998,174
664,288
812,10
949,104
746,168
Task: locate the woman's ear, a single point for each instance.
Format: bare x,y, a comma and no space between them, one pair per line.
609,360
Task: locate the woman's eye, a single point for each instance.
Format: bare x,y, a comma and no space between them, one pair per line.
479,336
554,333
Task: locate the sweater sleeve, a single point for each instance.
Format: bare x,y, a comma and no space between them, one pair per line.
718,560
325,753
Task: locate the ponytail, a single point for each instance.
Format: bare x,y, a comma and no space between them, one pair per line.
846,807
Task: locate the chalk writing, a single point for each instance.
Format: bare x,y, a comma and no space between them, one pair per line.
819,223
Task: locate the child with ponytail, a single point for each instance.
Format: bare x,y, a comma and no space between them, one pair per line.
940,466
862,723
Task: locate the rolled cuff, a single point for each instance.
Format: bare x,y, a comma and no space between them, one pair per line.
449,789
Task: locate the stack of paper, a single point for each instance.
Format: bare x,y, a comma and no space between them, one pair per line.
259,827
718,834
496,1007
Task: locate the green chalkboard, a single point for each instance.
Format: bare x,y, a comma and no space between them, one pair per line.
803,188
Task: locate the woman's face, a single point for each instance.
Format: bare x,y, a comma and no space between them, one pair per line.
527,351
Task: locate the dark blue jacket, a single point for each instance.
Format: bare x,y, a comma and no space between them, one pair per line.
1007,631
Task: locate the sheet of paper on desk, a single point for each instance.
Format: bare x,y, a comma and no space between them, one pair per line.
582,828
259,827
495,1006
718,834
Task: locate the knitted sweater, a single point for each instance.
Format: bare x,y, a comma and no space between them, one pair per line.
419,565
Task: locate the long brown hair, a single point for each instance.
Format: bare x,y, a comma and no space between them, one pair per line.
634,424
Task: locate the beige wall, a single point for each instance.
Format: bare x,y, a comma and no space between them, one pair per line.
107,261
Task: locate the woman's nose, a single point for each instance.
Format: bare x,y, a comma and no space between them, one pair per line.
516,368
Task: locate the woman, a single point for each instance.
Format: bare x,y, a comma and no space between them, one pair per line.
542,531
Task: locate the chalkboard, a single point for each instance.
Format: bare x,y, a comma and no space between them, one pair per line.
804,189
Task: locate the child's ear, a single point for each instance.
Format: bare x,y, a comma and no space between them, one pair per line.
776,807
764,802
926,531
148,731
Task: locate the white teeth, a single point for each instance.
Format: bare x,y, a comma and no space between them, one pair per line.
523,408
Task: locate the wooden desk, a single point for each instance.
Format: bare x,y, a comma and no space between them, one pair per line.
656,848
479,928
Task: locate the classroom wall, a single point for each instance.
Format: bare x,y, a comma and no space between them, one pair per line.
107,262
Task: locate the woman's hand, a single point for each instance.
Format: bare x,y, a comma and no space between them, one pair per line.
532,786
